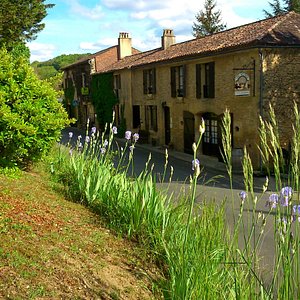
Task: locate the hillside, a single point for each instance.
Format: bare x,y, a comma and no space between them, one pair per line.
52,66
51,248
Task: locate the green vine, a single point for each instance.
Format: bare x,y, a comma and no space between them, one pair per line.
103,97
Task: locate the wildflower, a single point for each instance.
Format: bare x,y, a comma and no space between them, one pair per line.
70,134
80,146
272,201
195,164
102,150
114,130
296,212
87,139
136,136
131,148
285,195
71,152
128,135
105,143
94,129
243,195
79,137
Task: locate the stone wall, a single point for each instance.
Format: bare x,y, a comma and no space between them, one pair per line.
282,88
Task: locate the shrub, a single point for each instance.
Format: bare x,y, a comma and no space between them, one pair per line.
31,118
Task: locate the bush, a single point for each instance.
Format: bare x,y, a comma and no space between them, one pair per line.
31,118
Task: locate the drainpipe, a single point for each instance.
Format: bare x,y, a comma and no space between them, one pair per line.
261,93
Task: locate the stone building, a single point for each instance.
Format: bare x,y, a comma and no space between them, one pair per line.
78,77
165,92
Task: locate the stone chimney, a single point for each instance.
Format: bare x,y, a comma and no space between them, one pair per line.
168,38
124,45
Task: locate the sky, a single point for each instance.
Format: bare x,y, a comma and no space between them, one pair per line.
88,26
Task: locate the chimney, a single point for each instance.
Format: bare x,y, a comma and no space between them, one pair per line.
124,45
168,38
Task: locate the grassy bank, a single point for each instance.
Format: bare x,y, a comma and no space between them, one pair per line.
51,248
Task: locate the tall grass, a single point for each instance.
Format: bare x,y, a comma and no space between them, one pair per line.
188,236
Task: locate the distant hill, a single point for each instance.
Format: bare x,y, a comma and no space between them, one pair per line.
51,67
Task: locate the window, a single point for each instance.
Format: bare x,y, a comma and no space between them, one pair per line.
209,86
117,84
117,81
149,81
178,79
151,117
205,73
83,79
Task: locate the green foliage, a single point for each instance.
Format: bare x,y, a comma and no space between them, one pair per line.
103,97
51,67
20,21
31,118
208,21
278,7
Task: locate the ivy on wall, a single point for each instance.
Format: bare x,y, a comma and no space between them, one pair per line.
103,97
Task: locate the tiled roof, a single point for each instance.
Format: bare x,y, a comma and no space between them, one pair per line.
103,58
282,30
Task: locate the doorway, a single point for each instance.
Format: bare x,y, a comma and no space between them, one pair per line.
167,125
189,131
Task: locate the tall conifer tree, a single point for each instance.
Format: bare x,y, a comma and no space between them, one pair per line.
208,20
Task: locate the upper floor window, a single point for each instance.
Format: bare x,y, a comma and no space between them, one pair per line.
83,80
117,81
117,84
205,80
178,81
149,81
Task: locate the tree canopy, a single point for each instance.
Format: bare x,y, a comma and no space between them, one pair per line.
208,20
278,7
20,21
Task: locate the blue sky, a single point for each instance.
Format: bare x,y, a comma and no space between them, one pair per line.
81,26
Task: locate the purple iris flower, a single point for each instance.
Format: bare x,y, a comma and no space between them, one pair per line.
114,130
105,143
94,129
285,195
243,195
195,164
128,135
136,136
87,139
296,212
272,201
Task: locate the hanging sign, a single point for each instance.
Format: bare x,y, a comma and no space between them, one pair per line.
242,84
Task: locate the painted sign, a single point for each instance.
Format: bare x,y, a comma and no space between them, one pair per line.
242,84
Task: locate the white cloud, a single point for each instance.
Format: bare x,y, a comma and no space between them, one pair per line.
98,45
93,13
41,52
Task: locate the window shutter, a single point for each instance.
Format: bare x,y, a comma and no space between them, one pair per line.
184,81
198,81
154,81
211,75
145,81
173,82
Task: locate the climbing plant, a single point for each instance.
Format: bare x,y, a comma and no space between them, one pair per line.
103,97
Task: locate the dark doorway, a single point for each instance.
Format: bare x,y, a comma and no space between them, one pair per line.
136,116
167,125
189,131
212,134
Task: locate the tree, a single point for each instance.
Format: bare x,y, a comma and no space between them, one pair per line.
31,118
208,21
278,8
20,21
